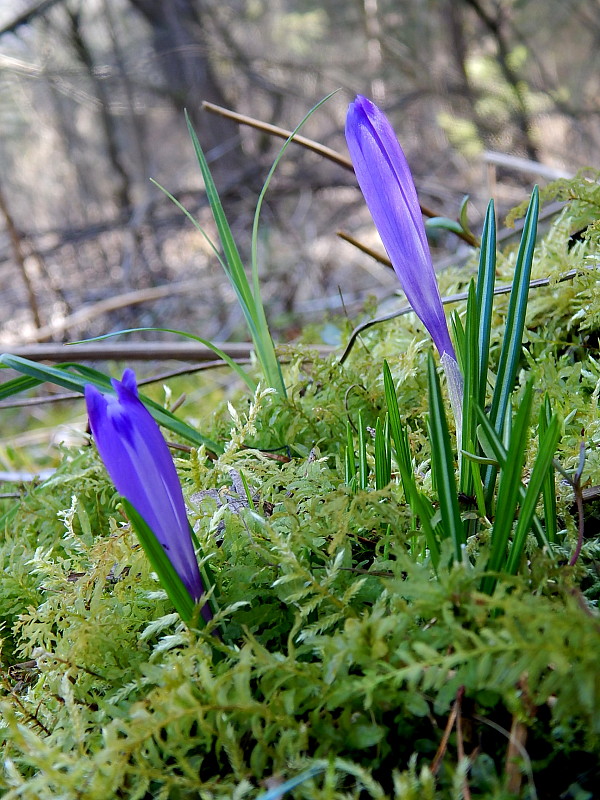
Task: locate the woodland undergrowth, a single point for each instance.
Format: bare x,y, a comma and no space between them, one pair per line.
342,659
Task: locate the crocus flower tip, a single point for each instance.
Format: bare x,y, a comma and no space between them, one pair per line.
386,182
140,465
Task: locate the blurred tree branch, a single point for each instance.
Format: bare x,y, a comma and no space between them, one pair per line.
28,16
178,36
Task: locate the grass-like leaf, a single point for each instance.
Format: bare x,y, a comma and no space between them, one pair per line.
42,373
486,277
515,319
458,336
383,455
442,461
250,382
470,389
508,491
168,577
496,455
510,352
420,505
549,483
539,474
398,435
266,342
349,459
363,464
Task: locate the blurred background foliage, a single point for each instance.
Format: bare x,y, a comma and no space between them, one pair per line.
91,100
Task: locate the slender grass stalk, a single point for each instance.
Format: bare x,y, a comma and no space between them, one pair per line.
486,278
549,483
420,505
496,451
349,459
266,347
63,376
513,334
539,475
247,292
246,378
398,435
508,491
458,335
250,302
470,367
169,579
363,464
383,455
474,339
515,318
442,461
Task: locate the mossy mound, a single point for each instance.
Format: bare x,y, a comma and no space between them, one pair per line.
342,660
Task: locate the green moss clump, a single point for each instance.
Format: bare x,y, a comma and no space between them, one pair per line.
342,658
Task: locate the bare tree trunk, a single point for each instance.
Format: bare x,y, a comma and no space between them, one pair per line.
84,54
181,47
374,57
452,12
19,256
496,27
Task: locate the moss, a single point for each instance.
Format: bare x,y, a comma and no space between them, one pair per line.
341,653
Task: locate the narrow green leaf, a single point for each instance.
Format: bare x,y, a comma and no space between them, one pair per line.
267,351
549,484
539,473
513,333
494,449
250,301
515,319
250,383
17,385
420,505
168,577
247,491
442,461
458,335
43,373
382,455
349,460
245,301
508,491
444,223
479,459
478,490
232,256
398,435
486,277
462,214
470,389
363,465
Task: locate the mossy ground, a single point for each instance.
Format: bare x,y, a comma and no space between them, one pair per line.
339,651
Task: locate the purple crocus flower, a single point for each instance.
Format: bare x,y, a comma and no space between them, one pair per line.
140,465
386,182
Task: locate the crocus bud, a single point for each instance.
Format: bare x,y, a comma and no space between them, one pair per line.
140,465
386,182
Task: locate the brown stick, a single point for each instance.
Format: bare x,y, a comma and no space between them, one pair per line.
441,751
453,298
460,747
282,133
379,257
88,312
137,351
